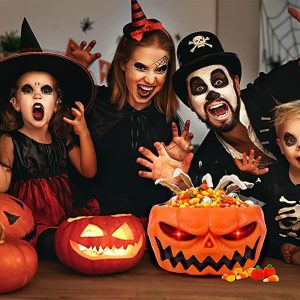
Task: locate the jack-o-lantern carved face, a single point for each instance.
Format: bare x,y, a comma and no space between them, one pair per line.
17,219
100,244
211,240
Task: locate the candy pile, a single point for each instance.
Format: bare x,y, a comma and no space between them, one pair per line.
203,196
267,274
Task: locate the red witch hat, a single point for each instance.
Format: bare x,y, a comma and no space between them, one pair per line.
140,24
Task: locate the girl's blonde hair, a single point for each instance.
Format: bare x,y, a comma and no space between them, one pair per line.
165,100
284,112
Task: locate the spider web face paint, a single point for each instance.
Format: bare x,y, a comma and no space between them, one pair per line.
161,62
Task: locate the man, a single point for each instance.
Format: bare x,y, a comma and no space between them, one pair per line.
208,81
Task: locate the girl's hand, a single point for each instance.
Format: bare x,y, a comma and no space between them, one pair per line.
180,146
79,124
83,55
250,164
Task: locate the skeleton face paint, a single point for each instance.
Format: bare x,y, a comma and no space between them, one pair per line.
145,74
289,142
213,96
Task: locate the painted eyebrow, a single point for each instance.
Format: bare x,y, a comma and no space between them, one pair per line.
196,80
216,73
139,64
288,135
26,85
161,62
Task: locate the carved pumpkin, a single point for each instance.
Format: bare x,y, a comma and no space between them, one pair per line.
207,240
100,244
17,219
18,261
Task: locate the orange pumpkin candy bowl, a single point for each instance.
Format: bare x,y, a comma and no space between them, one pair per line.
100,244
17,219
206,239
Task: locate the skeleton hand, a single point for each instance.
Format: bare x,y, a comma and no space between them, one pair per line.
180,145
83,55
250,164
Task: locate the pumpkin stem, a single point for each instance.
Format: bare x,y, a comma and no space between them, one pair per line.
1,233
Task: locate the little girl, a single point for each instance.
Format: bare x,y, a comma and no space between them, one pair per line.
37,140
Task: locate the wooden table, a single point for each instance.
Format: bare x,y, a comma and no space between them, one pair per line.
147,281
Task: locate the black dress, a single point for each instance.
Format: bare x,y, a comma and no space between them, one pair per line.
40,180
117,135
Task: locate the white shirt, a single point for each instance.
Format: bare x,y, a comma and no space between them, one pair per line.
246,122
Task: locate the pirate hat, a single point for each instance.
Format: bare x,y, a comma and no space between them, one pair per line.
75,81
197,50
140,24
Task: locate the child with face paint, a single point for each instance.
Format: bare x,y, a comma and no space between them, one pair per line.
37,129
280,187
137,109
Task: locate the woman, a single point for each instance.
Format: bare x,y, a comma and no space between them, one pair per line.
138,108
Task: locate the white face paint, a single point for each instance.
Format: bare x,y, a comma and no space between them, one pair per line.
213,97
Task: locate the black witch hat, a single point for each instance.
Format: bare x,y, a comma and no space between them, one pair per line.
75,81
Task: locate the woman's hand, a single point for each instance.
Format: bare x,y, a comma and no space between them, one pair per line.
180,146
82,53
162,166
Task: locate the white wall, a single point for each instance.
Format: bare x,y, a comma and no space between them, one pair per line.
55,21
238,29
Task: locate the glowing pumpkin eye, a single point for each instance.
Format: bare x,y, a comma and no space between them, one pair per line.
123,233
92,231
240,233
176,233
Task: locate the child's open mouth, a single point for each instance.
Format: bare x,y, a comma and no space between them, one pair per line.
38,111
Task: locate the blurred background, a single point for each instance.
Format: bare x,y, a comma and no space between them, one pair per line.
260,31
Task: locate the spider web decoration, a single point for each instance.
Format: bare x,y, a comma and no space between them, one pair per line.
280,40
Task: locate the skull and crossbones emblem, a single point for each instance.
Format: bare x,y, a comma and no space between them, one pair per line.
199,41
